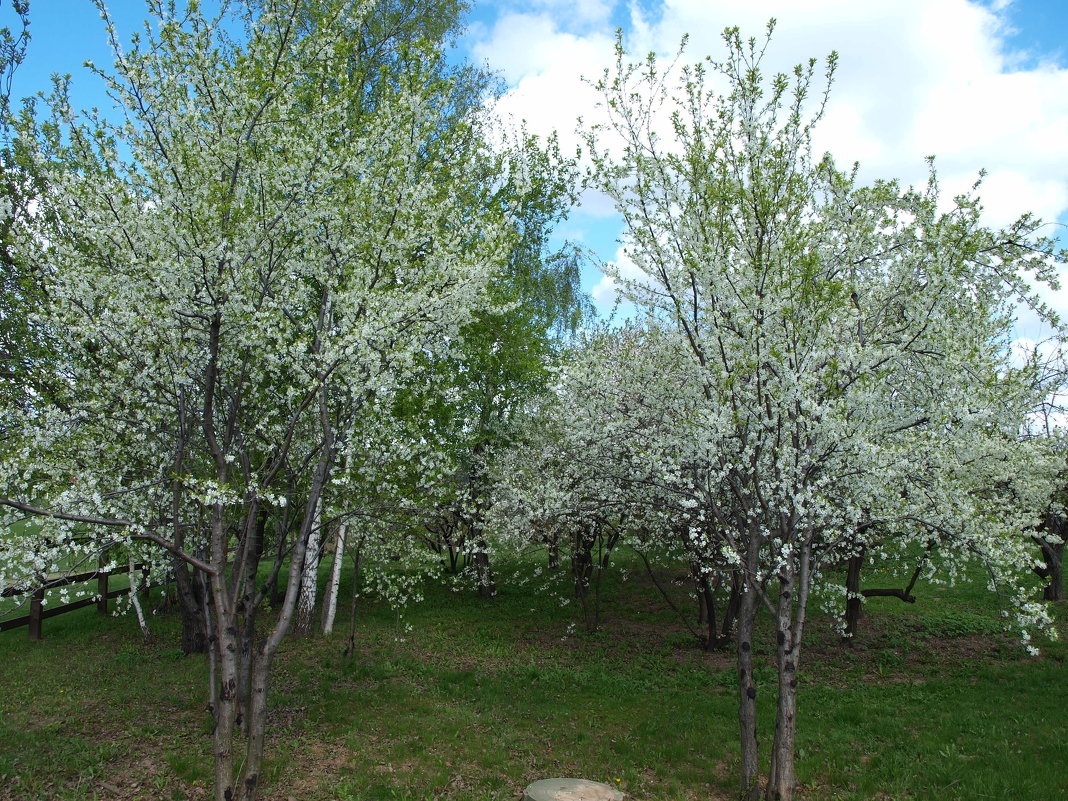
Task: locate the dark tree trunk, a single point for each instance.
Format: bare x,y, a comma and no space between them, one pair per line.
191,602
747,694
854,600
582,566
706,612
854,605
719,630
730,615
357,561
275,592
254,530
1054,590
1052,569
487,583
582,573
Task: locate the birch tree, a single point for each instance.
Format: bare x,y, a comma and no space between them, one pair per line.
234,269
810,306
475,399
22,344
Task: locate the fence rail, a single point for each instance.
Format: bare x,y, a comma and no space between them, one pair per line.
38,612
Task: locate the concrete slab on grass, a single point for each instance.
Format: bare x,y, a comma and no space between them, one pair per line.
571,790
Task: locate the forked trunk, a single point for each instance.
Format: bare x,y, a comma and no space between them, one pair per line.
718,629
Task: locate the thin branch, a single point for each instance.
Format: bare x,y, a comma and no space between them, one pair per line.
115,523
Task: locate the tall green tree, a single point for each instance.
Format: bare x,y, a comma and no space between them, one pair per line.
22,342
502,363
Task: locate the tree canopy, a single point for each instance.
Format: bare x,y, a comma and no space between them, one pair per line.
849,342
288,222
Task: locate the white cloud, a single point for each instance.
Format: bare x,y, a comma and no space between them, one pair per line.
605,292
915,78
544,66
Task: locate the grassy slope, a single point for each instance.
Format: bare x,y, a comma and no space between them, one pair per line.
479,698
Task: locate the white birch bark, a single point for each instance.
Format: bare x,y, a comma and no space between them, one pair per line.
137,602
330,602
309,578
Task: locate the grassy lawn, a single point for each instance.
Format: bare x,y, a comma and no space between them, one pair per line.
465,699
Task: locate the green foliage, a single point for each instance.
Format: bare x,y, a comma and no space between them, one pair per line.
25,347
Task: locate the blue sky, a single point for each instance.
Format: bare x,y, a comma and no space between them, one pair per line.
979,84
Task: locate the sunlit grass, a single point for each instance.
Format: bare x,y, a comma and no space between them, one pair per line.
467,699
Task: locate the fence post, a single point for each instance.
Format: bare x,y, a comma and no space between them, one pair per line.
102,590
36,604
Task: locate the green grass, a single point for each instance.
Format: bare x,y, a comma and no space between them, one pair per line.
478,698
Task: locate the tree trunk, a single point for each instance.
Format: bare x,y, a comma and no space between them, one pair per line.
582,573
191,607
718,631
582,565
225,647
136,585
356,563
854,600
309,579
781,780
554,552
245,785
192,597
747,710
245,593
706,610
330,601
487,583
277,593
730,616
1053,557
249,781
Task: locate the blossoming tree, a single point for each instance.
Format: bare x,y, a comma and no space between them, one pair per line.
812,309
235,270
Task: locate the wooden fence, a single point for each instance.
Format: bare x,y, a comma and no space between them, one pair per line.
38,612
